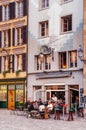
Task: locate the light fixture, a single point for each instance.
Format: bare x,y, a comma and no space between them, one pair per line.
80,54
46,50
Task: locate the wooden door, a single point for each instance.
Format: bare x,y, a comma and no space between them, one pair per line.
11,99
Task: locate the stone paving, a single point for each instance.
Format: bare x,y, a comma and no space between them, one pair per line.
9,121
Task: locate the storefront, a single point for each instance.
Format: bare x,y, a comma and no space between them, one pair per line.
67,93
12,92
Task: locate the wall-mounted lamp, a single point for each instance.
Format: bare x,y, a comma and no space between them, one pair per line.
46,50
80,54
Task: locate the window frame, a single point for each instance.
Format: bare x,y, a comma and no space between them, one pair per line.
44,5
72,64
66,64
68,25
43,65
19,9
6,12
44,28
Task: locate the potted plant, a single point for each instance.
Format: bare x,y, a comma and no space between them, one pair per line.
17,72
4,72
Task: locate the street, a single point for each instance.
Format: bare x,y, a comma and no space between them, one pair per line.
9,121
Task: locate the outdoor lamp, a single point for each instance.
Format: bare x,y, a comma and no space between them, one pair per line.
80,54
46,50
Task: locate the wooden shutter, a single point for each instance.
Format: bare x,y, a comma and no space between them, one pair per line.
0,63
12,10
9,36
24,62
12,63
0,13
9,63
13,42
25,5
24,34
0,39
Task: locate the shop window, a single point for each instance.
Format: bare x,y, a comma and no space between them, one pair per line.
44,4
63,60
5,12
43,28
19,93
3,93
66,23
72,59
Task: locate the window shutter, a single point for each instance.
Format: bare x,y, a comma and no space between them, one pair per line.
0,39
0,63
24,60
24,34
12,10
8,63
13,37
9,40
12,63
0,13
25,7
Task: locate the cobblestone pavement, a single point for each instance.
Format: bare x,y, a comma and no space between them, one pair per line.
9,121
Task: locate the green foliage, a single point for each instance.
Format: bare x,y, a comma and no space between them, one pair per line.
4,72
17,72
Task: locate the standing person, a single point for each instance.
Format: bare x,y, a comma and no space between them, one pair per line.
54,98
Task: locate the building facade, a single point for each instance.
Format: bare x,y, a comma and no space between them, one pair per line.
55,35
13,50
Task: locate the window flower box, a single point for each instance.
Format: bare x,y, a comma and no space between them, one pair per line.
17,72
5,72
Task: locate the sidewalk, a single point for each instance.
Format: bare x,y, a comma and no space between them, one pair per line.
15,122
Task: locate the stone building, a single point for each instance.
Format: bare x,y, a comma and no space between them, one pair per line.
55,42
13,50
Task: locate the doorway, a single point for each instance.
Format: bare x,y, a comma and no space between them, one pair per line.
11,99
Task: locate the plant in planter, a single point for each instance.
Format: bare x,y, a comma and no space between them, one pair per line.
4,72
17,72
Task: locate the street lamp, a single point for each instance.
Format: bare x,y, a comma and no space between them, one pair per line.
80,54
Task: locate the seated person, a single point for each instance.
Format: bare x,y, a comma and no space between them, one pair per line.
50,106
41,107
41,110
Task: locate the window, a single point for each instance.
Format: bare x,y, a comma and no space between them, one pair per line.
5,12
5,38
39,63
45,63
44,28
19,36
72,59
68,59
44,4
19,62
66,23
19,9
5,63
3,93
63,60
